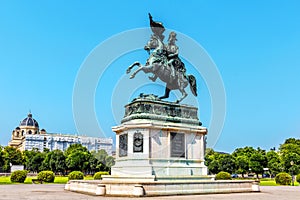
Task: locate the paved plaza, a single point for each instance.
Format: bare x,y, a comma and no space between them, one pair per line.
57,192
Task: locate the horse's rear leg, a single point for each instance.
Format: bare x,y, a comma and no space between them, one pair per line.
167,93
184,94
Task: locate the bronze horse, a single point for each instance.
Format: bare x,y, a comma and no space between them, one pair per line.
157,64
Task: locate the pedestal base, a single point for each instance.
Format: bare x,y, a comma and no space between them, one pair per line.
160,188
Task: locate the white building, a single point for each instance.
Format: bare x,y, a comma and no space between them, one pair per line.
28,136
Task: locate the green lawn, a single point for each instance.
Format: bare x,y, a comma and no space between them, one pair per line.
64,180
271,182
57,180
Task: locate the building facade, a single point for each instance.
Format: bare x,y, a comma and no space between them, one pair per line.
28,136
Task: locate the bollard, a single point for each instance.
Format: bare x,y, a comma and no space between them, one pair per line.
255,187
67,186
138,191
101,190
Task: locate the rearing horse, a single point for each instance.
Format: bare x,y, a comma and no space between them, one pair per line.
157,64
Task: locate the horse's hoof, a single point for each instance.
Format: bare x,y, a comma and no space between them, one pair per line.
151,78
127,71
131,77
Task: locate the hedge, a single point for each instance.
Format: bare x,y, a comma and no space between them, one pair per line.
18,176
98,175
76,175
283,178
298,178
223,176
46,176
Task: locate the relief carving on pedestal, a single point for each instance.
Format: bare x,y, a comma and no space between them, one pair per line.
123,145
138,141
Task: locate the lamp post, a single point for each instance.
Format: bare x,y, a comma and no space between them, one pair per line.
292,163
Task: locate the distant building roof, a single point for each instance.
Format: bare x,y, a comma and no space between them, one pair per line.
29,121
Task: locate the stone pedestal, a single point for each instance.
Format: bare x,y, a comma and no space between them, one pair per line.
159,140
160,151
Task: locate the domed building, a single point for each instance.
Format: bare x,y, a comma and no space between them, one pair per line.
27,126
28,136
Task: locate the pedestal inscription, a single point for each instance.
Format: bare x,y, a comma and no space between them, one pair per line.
138,142
123,145
177,145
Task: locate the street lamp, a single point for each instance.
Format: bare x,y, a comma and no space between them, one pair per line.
292,163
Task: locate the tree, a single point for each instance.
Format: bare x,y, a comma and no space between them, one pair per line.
1,157
55,161
246,151
78,160
75,147
11,156
258,161
290,155
34,159
35,163
217,162
100,155
211,161
105,162
93,164
226,163
109,162
274,162
242,164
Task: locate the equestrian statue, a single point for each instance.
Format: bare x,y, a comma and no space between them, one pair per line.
164,63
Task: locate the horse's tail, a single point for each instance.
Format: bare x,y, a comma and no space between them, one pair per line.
193,84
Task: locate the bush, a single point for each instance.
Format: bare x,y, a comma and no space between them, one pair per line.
298,178
18,176
76,175
98,175
283,178
46,176
223,176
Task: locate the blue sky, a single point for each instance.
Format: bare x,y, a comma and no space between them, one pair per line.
254,44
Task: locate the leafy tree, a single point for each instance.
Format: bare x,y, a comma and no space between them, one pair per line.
217,162
12,156
100,155
274,162
33,159
109,162
78,160
35,162
105,162
211,161
1,157
226,163
258,161
242,164
28,156
290,155
55,161
75,147
93,164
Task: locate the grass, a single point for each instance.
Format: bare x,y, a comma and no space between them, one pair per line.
58,180
64,180
5,180
271,182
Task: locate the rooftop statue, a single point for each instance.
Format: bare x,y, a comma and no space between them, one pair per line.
164,63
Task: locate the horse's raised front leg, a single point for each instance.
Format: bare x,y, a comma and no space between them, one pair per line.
141,67
131,66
